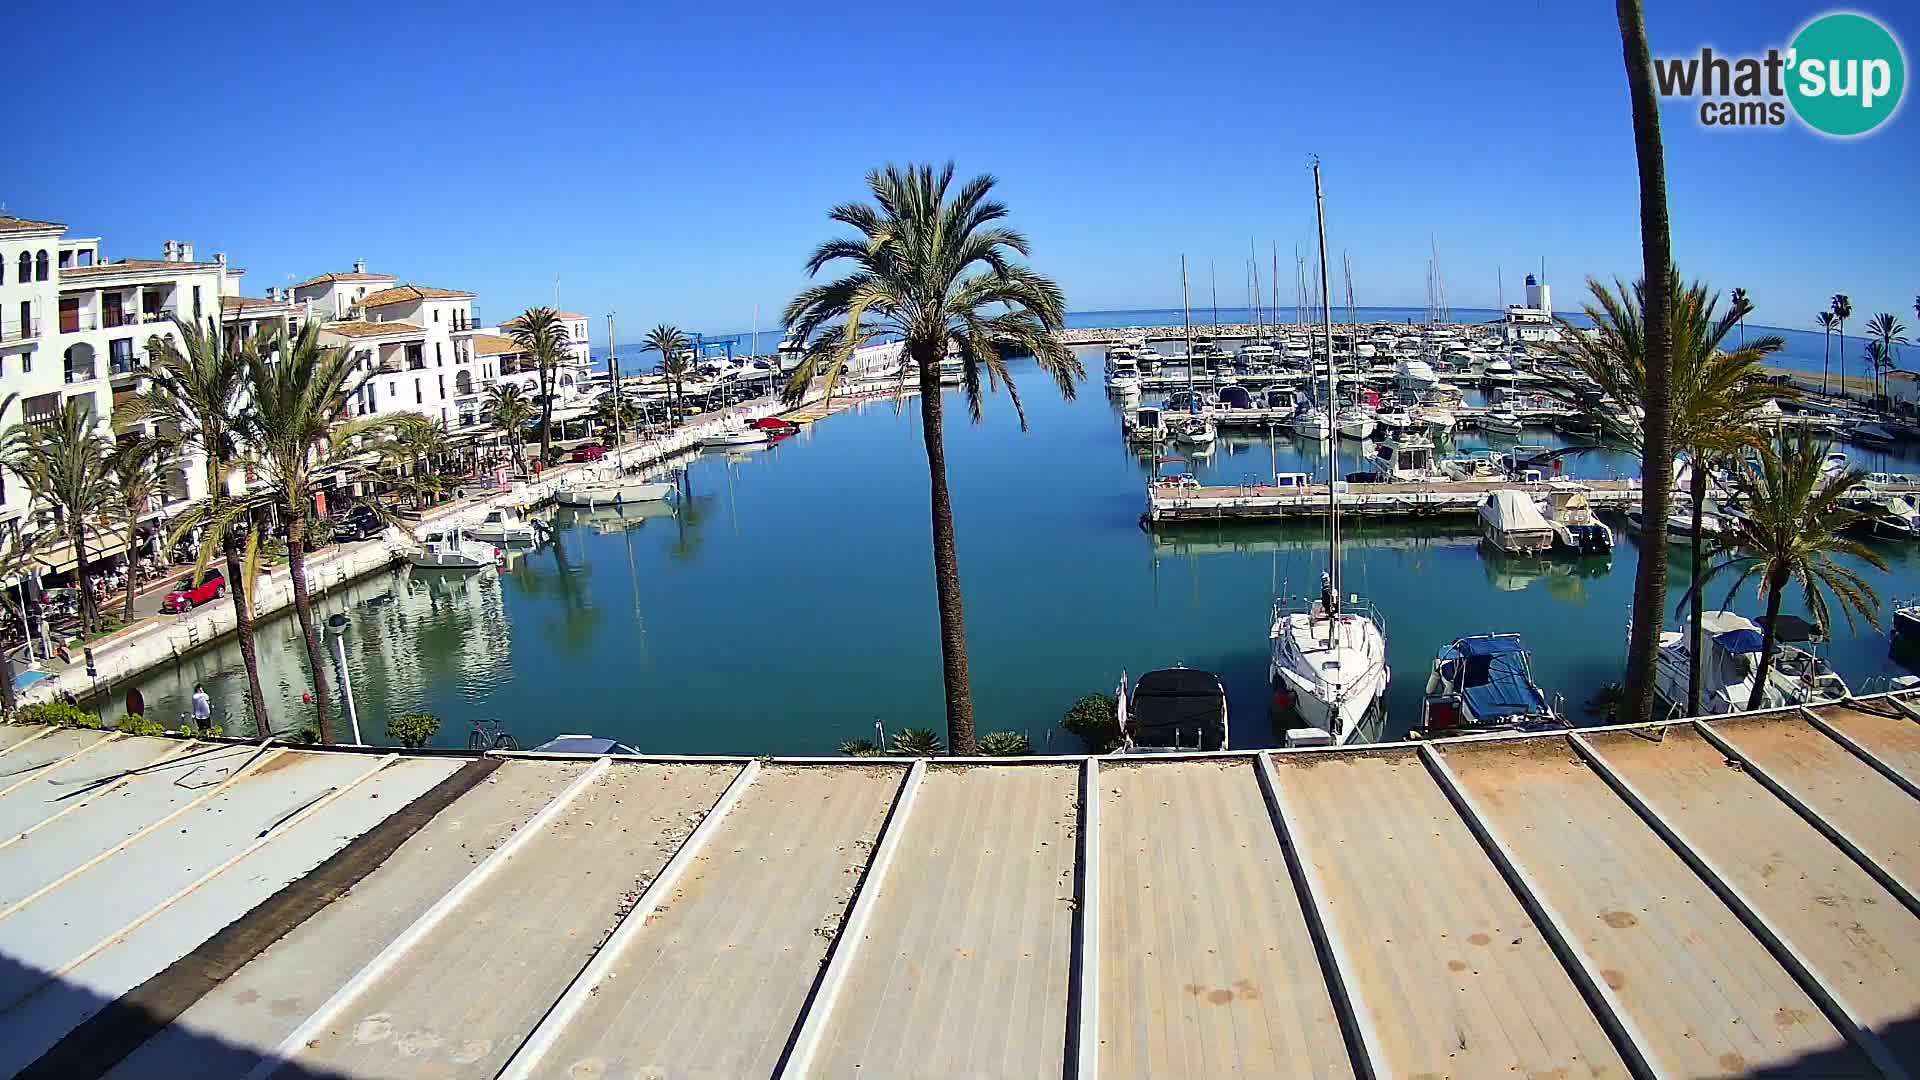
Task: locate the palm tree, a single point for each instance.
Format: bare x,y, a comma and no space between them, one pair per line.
542,335
1842,310
64,465
299,389
674,363
617,413
136,467
1827,323
411,442
1791,531
1715,395
1886,332
195,391
1741,305
1656,470
512,412
932,266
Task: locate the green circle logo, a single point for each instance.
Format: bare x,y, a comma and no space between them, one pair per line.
1846,74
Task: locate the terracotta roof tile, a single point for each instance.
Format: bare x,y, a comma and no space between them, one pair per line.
326,278
403,294
125,266
359,329
14,224
495,345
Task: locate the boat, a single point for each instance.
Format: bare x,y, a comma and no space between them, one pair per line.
952,371
1504,421
1328,655
1576,529
1906,622
1875,436
1356,422
1731,658
1311,421
1396,420
1123,371
1406,457
1679,524
1578,425
1172,710
504,526
742,436
1894,515
1234,396
1510,522
610,487
1438,418
1194,431
1495,370
1415,375
1834,464
1484,682
1147,425
1478,465
453,550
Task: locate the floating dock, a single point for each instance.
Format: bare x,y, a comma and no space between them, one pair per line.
1168,503
1691,898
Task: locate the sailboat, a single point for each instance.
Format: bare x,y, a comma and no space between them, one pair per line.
1329,654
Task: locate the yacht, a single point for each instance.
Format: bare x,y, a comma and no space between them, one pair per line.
1260,355
1312,421
953,371
1894,515
1478,465
1504,421
1510,522
1483,683
1731,659
741,436
1576,529
1147,425
1406,457
1438,419
1123,370
1328,655
1356,422
1172,710
453,550
1194,431
503,526
1415,375
611,487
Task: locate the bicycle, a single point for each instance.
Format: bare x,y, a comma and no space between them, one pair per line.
489,735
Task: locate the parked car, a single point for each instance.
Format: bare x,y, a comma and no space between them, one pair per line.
358,523
187,595
589,452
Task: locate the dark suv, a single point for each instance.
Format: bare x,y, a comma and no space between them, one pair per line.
359,523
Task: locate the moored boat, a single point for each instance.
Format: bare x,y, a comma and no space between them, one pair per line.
744,436
1730,660
608,487
452,550
1171,710
1510,522
504,526
1484,682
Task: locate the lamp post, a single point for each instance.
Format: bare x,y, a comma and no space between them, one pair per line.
337,631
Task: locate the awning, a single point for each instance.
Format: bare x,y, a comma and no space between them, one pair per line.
60,559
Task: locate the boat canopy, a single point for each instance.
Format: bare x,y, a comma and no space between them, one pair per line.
1491,672
1179,707
1739,642
1236,397
1793,628
1513,512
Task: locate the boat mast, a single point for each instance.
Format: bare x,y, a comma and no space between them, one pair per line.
1274,310
1253,263
1186,307
1333,424
613,363
1213,282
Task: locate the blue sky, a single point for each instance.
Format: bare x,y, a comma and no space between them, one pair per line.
675,162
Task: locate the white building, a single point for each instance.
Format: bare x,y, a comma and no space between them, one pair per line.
1533,320
416,341
571,377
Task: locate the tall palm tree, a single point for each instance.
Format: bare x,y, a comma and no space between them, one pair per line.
512,412
64,465
1742,306
672,346
932,266
1842,310
1827,323
1792,530
1656,469
411,443
542,335
136,468
196,390
1886,332
1715,396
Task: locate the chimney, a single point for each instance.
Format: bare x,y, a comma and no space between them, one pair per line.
359,266
171,250
221,258
186,252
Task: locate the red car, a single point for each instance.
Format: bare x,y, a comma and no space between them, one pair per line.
188,595
589,452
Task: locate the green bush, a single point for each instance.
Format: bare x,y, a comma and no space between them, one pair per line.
1096,719
859,748
917,742
140,725
57,714
1006,744
413,730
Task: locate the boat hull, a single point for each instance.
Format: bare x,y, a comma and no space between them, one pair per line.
592,495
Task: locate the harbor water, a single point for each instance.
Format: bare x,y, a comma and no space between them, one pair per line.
788,605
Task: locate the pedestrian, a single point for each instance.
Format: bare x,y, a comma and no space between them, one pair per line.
202,708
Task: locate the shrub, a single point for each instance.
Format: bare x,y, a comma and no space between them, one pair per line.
917,742
140,725
1006,744
860,748
57,714
413,730
1096,719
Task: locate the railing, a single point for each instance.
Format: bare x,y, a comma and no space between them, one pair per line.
163,315
123,366
72,322
19,330
81,374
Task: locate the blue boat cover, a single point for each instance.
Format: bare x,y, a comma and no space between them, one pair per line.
1493,678
1740,641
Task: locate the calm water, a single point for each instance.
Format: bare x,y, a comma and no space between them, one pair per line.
790,605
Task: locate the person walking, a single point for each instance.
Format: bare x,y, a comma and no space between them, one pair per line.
202,709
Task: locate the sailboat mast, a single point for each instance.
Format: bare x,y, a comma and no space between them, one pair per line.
1333,423
1275,309
1253,263
1213,282
1186,307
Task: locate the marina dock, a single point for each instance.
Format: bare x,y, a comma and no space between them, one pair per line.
1170,503
1729,896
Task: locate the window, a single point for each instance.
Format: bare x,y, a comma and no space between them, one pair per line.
26,318
419,398
373,399
66,259
121,352
438,360
42,276
196,303
26,363
436,318
26,267
443,385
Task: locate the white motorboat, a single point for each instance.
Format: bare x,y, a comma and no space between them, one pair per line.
1407,456
1328,655
1312,421
453,550
1576,528
743,436
1478,465
953,371
608,487
1730,660
503,526
1172,710
1416,375
1356,422
1483,683
1438,418
1195,431
1510,522
1895,515
1123,372
1147,426
1504,421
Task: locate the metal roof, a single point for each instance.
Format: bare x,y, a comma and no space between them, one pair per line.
1732,897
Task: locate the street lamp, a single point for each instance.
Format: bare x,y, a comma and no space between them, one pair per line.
337,630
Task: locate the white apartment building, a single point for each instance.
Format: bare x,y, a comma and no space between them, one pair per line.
414,340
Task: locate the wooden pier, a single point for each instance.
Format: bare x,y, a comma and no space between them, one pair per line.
1166,502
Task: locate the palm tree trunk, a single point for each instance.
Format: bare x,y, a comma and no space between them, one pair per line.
546,417
1776,587
1697,614
79,536
946,565
133,526
243,630
303,608
1650,579
1843,364
1826,359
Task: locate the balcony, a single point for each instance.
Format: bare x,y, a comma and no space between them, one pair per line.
124,368
80,373
19,330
